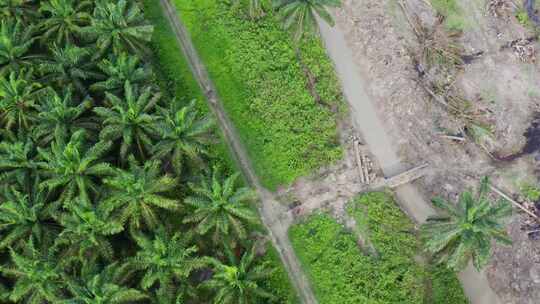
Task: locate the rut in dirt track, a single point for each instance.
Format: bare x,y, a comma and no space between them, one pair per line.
272,212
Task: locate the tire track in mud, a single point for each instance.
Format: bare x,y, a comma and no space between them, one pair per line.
273,214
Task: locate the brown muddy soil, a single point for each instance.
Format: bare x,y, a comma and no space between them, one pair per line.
503,85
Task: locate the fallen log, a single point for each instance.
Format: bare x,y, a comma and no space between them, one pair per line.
503,195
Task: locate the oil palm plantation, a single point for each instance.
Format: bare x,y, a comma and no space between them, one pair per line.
97,285
65,20
220,207
466,231
69,67
167,260
300,16
73,166
86,229
119,69
135,194
23,217
120,25
129,119
16,39
239,280
61,115
19,94
37,275
183,134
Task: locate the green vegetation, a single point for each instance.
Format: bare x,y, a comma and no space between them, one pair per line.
530,191
467,229
300,16
265,91
452,12
104,194
341,273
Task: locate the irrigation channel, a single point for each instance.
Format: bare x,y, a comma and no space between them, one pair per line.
275,216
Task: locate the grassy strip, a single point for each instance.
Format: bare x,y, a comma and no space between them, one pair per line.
175,78
341,273
264,89
453,13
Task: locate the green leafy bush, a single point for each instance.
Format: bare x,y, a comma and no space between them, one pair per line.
341,273
454,15
264,89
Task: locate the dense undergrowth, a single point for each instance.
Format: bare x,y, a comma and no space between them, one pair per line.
264,89
114,187
341,273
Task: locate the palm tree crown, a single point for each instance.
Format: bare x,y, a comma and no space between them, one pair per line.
85,231
18,96
22,216
165,259
65,20
467,229
38,276
300,16
129,119
69,67
119,69
61,115
96,286
15,42
73,166
219,206
239,281
136,193
120,25
182,134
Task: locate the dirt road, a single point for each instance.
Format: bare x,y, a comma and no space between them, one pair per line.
364,115
272,212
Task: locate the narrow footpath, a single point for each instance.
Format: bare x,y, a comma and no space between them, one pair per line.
273,214
369,124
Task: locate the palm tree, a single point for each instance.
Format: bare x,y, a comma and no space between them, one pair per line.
239,281
64,20
15,42
61,115
300,16
85,233
119,69
37,276
17,158
18,96
120,25
68,67
219,206
467,229
73,167
129,119
23,217
137,192
17,9
183,134
101,286
165,259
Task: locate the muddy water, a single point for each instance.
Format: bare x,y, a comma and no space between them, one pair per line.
373,132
